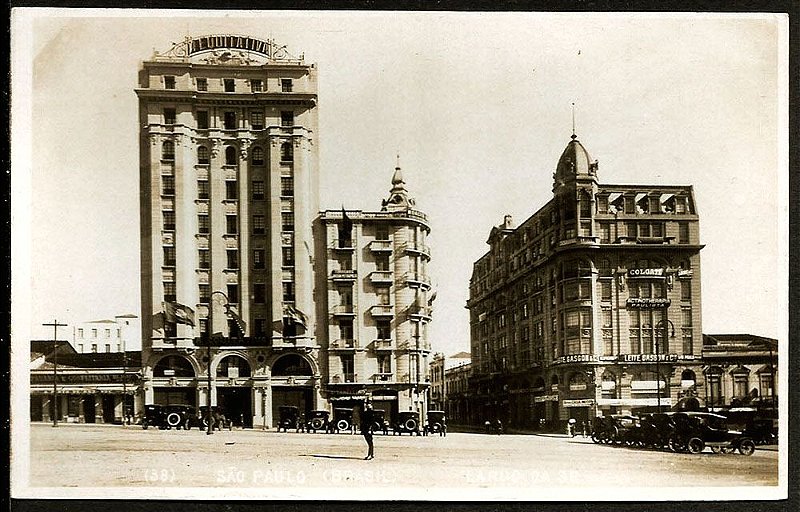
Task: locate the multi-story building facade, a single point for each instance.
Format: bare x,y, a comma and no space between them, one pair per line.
123,333
229,191
439,371
374,304
591,305
457,400
740,369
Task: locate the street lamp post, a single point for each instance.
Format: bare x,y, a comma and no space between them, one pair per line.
667,322
55,326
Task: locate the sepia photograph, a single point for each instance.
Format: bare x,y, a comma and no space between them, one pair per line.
352,255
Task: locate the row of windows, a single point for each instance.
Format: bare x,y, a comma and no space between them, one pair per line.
231,155
231,223
229,84
94,348
94,333
230,119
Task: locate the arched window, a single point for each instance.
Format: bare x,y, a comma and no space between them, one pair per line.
258,156
291,364
168,150
202,155
688,379
287,152
233,367
173,366
230,155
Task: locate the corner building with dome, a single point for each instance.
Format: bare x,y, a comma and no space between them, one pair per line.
235,250
589,307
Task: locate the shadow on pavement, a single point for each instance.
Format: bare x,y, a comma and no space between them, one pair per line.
330,456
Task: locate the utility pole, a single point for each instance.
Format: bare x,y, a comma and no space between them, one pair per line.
55,326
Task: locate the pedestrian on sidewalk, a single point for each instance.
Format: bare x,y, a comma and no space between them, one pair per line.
367,421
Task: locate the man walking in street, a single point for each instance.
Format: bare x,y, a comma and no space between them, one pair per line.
367,421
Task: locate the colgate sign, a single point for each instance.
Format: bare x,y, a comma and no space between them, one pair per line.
645,272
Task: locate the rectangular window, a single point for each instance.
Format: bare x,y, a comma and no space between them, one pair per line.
384,297
169,291
260,327
657,230
384,329
202,224
229,120
680,204
204,258
169,82
94,333
258,190
202,84
80,333
286,85
169,256
605,290
259,225
256,120
607,317
348,367
288,292
169,116
686,317
683,232
233,293
688,344
233,258
256,85
202,119
345,329
229,85
287,256
384,364
287,186
382,262
169,220
205,293
203,326
202,189
258,258
605,233
259,293
287,118
686,290
231,225
108,348
382,232
231,190
167,185
287,221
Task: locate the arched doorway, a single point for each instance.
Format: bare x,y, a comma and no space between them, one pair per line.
172,381
292,384
234,392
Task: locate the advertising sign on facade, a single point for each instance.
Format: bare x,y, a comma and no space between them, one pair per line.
546,398
587,402
648,273
575,358
648,358
634,402
647,303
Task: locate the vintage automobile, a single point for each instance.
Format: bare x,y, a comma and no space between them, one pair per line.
696,430
406,421
218,419
318,420
436,423
288,417
753,422
153,416
179,416
379,422
342,420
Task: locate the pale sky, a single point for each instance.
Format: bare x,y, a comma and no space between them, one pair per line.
478,107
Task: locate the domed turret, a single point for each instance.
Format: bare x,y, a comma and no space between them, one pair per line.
574,163
398,195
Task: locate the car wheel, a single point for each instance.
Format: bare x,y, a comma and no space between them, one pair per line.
342,425
410,424
675,445
747,447
695,445
317,424
173,419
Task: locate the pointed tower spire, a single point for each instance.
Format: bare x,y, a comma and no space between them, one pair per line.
398,195
573,122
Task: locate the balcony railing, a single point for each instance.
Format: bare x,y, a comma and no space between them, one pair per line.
382,344
343,310
420,312
382,377
381,310
342,245
418,248
343,344
381,276
343,275
417,279
380,246
344,378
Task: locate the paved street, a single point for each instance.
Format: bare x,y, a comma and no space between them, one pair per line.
100,456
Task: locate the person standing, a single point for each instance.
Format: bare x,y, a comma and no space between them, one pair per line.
367,423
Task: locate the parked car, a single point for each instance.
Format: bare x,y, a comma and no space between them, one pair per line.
218,419
407,421
179,416
696,430
318,420
153,416
436,423
342,420
288,417
379,421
